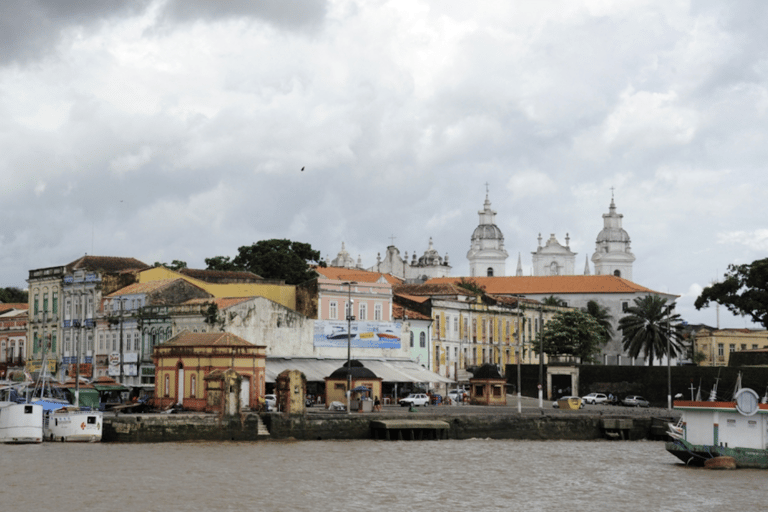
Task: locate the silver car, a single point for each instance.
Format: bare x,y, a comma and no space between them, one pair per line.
635,401
415,399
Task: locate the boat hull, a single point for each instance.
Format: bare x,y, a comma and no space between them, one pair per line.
74,426
21,423
697,455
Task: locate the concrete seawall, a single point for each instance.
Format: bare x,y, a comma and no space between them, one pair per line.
149,428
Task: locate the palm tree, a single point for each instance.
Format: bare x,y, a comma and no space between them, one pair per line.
602,316
553,301
648,326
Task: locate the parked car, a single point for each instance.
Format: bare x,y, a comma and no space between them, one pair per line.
557,406
595,398
635,401
415,399
457,395
271,401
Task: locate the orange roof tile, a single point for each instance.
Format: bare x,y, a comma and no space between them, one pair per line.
353,274
550,284
7,306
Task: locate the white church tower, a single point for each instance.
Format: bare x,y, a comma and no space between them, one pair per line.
612,251
486,255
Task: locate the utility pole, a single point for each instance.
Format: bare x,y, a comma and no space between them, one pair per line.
350,317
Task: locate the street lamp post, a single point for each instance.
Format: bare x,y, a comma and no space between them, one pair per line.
669,367
541,357
517,356
350,317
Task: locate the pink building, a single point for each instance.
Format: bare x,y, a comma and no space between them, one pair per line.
371,294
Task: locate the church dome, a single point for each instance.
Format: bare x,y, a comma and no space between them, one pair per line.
613,235
487,232
430,257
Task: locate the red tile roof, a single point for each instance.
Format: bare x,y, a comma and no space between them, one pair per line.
207,339
399,312
353,274
550,284
7,306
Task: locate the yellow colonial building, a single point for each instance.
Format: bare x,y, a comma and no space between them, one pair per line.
717,345
183,362
469,330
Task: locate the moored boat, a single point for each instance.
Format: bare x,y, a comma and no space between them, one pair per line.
708,429
72,424
20,422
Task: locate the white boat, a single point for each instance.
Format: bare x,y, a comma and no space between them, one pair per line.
736,428
72,424
19,423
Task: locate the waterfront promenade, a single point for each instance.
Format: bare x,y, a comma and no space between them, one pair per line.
463,422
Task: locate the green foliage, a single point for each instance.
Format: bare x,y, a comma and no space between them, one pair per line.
648,326
573,333
743,292
272,259
471,285
174,265
602,316
553,301
12,295
220,263
212,314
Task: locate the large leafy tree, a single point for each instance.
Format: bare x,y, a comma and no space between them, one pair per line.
647,327
744,291
602,315
573,332
272,259
13,295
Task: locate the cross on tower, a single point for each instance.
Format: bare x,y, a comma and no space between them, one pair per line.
392,239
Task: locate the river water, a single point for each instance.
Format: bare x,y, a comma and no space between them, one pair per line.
367,475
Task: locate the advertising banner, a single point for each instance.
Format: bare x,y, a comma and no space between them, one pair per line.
34,365
333,333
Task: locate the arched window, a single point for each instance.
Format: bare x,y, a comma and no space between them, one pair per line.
422,339
617,273
192,385
167,385
490,271
411,339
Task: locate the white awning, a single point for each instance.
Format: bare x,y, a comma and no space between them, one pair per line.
317,369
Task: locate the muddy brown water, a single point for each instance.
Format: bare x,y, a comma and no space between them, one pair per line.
476,474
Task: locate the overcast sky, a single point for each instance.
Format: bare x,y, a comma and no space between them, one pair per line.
176,129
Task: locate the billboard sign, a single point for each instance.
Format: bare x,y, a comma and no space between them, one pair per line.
330,333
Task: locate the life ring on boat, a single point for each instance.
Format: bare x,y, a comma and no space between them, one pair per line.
82,426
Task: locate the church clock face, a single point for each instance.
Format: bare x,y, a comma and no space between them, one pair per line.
747,402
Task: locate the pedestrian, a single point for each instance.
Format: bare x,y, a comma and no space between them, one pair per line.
376,404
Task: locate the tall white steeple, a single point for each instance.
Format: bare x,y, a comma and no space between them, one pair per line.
613,255
486,255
